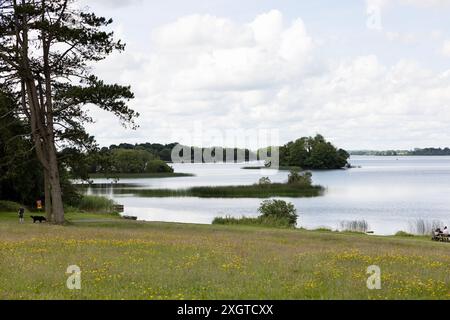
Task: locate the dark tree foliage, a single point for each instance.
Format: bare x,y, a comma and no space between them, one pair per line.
21,175
19,179
313,153
112,161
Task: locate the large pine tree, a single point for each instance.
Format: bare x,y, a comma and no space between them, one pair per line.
46,50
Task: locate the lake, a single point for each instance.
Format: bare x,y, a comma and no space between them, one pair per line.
388,192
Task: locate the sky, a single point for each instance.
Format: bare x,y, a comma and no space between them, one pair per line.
369,74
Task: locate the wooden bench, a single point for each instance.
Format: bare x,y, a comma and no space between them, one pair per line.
441,237
130,218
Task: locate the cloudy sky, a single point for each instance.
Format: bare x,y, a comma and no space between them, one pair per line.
365,74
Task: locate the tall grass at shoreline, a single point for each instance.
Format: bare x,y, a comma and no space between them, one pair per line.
424,227
274,213
355,226
271,222
9,206
97,204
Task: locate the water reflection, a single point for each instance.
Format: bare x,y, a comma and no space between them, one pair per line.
388,192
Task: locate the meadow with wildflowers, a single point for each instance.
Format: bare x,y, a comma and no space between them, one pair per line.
135,260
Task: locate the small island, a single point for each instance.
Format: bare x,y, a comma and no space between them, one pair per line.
299,185
307,153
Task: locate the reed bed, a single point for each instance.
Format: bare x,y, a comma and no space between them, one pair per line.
251,191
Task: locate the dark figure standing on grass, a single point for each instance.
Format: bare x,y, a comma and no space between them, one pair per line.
21,214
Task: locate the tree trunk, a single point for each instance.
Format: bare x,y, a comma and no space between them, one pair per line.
55,185
48,197
47,154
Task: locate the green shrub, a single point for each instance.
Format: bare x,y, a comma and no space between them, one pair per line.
95,204
9,206
274,213
300,179
403,234
158,166
279,210
264,181
323,229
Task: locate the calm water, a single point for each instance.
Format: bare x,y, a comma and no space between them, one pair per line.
388,192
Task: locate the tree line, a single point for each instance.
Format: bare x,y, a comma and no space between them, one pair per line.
307,153
127,158
164,151
110,161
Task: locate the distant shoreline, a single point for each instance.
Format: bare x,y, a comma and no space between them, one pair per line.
402,153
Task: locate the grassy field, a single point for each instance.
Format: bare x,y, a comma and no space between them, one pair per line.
250,191
135,260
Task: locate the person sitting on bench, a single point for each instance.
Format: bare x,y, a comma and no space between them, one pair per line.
438,232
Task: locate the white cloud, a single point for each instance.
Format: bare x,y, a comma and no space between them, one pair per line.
267,28
259,75
405,38
205,52
202,31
